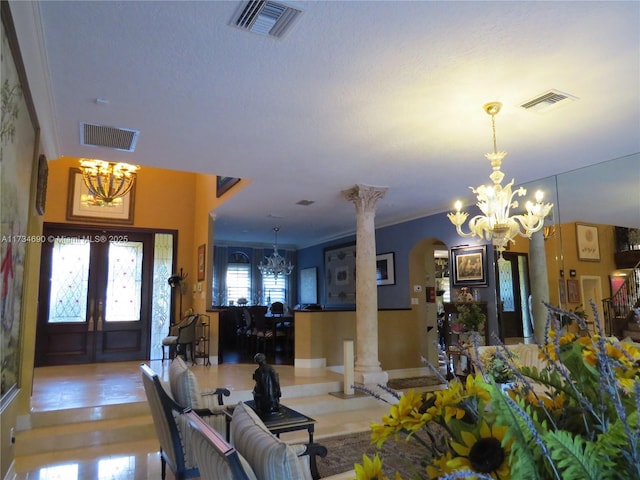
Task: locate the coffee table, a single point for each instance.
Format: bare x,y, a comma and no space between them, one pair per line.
285,420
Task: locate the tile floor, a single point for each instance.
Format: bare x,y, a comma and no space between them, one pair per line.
60,388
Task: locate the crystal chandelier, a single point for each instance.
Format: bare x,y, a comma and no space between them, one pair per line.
275,264
495,201
107,181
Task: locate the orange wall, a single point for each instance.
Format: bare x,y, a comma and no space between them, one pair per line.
603,268
562,254
206,194
164,199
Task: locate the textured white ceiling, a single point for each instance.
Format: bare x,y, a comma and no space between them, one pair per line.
380,93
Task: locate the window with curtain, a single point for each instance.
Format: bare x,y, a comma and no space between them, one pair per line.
238,277
275,289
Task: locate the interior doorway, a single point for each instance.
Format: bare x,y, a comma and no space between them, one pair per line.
512,292
591,290
427,281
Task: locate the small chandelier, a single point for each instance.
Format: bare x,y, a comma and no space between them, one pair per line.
495,201
275,264
107,181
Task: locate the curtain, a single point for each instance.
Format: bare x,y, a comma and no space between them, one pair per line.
220,262
292,280
256,276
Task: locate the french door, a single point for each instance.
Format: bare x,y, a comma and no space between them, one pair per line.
95,296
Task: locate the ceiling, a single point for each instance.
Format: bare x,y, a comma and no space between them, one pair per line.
378,93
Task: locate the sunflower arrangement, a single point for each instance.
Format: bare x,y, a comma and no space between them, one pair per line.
575,419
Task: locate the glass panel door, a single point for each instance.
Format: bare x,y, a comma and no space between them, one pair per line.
124,282
69,281
94,297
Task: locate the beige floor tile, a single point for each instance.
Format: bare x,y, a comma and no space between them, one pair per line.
61,388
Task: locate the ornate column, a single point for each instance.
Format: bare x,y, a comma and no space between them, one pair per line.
539,284
367,367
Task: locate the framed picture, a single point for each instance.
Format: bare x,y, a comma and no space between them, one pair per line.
41,192
202,256
588,243
340,275
385,269
18,142
309,285
573,291
83,207
223,184
469,266
562,291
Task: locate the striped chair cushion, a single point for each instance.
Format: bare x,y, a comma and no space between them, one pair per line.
184,385
269,457
186,392
210,463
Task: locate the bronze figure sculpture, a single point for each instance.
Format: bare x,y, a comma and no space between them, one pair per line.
266,393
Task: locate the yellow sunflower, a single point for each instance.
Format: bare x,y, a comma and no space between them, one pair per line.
447,402
562,341
371,469
402,416
484,453
439,466
477,387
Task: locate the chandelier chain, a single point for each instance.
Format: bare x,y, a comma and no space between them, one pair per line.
493,126
495,202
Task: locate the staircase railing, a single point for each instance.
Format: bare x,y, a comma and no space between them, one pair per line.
618,309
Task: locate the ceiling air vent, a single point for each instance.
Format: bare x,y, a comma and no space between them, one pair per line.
268,18
548,101
110,137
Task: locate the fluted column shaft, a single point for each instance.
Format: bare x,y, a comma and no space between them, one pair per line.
367,367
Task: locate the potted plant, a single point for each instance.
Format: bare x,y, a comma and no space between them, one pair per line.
568,321
470,317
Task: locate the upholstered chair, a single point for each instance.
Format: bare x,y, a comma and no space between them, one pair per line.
182,338
216,458
164,411
186,392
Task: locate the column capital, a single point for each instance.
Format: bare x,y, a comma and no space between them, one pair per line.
365,196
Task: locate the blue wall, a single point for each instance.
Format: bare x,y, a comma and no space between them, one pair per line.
400,239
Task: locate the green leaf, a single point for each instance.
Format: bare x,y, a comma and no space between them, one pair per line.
525,457
576,459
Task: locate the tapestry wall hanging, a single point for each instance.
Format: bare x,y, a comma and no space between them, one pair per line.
340,275
18,150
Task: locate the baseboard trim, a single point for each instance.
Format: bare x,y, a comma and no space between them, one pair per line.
310,363
410,372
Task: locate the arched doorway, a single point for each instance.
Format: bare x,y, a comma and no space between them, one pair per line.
426,281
